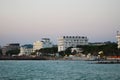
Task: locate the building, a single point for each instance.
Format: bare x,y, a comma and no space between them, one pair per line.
12,46
26,49
36,45
71,41
44,43
118,39
77,50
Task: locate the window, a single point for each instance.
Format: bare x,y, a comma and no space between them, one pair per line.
83,37
86,40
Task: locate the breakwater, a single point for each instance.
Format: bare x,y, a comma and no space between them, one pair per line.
26,58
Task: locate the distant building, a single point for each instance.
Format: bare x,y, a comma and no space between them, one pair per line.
118,39
12,46
71,41
26,49
44,43
36,45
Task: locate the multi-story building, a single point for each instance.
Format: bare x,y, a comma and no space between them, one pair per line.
36,45
71,41
118,39
26,49
12,46
44,43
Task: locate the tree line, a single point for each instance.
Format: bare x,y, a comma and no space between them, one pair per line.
109,49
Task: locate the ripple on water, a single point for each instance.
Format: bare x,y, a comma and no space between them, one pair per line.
57,70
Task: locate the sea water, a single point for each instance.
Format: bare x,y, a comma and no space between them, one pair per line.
57,70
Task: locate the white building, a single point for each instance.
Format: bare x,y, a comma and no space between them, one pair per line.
77,50
71,41
26,49
118,39
36,45
44,43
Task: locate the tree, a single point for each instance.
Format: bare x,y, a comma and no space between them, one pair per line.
13,52
49,50
33,53
68,51
62,53
109,49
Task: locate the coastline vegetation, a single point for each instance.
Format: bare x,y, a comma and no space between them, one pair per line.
13,52
109,49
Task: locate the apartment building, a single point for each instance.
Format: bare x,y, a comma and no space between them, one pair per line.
44,43
118,39
26,49
71,41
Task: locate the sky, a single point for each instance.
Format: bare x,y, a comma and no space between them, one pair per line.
25,21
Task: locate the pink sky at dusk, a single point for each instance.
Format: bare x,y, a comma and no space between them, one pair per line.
26,21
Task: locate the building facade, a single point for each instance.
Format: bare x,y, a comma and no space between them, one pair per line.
118,39
36,45
71,41
26,49
44,43
8,47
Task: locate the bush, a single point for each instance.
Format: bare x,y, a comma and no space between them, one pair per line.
13,52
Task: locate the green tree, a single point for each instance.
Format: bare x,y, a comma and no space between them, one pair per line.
109,49
62,53
49,50
33,53
13,52
68,51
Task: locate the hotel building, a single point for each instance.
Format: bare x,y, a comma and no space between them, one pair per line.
71,41
44,43
26,49
118,39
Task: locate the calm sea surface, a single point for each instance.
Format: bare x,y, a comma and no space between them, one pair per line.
58,70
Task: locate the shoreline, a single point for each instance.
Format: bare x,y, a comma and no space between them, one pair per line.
25,58
53,58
